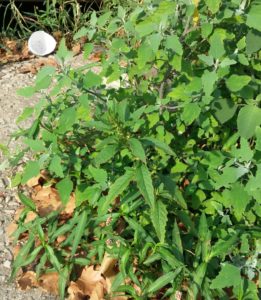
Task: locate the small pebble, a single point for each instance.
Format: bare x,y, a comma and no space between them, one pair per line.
7,264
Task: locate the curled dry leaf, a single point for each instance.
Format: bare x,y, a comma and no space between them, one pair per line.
94,283
49,282
27,281
47,200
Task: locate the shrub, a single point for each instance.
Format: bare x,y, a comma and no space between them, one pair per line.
165,167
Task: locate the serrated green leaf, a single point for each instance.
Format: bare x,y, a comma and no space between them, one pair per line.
137,149
222,247
87,193
145,185
227,277
248,119
55,166
99,175
116,189
80,33
63,54
91,80
159,144
159,218
106,154
32,169
65,187
236,82
239,199
67,120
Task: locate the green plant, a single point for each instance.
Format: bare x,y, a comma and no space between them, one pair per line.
165,167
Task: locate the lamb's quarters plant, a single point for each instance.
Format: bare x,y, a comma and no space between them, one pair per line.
166,168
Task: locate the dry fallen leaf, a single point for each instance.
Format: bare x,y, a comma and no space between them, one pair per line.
49,282
27,280
47,200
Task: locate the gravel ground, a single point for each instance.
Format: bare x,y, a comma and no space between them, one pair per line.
11,106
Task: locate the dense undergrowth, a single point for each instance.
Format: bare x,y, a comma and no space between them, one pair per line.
165,168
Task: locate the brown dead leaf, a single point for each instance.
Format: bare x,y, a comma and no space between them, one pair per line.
47,200
98,292
10,229
76,49
27,281
49,282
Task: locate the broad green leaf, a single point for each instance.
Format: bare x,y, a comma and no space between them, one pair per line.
35,145
90,193
63,280
99,175
227,277
44,72
26,91
106,154
116,189
163,281
222,247
236,82
239,199
80,33
67,120
253,41
213,5
88,48
32,169
248,119
91,80
208,81
137,149
65,187
173,43
159,144
80,229
190,113
63,54
159,218
216,41
55,166
145,184
206,29
27,202
253,16
223,109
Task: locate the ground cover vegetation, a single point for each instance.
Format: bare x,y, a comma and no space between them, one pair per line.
159,176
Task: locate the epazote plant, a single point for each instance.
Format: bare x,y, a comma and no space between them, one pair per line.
170,159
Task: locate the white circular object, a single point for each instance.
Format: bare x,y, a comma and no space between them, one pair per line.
41,43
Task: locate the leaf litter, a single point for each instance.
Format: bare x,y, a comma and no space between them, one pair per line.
94,281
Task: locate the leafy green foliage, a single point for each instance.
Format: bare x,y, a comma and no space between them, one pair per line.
168,158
